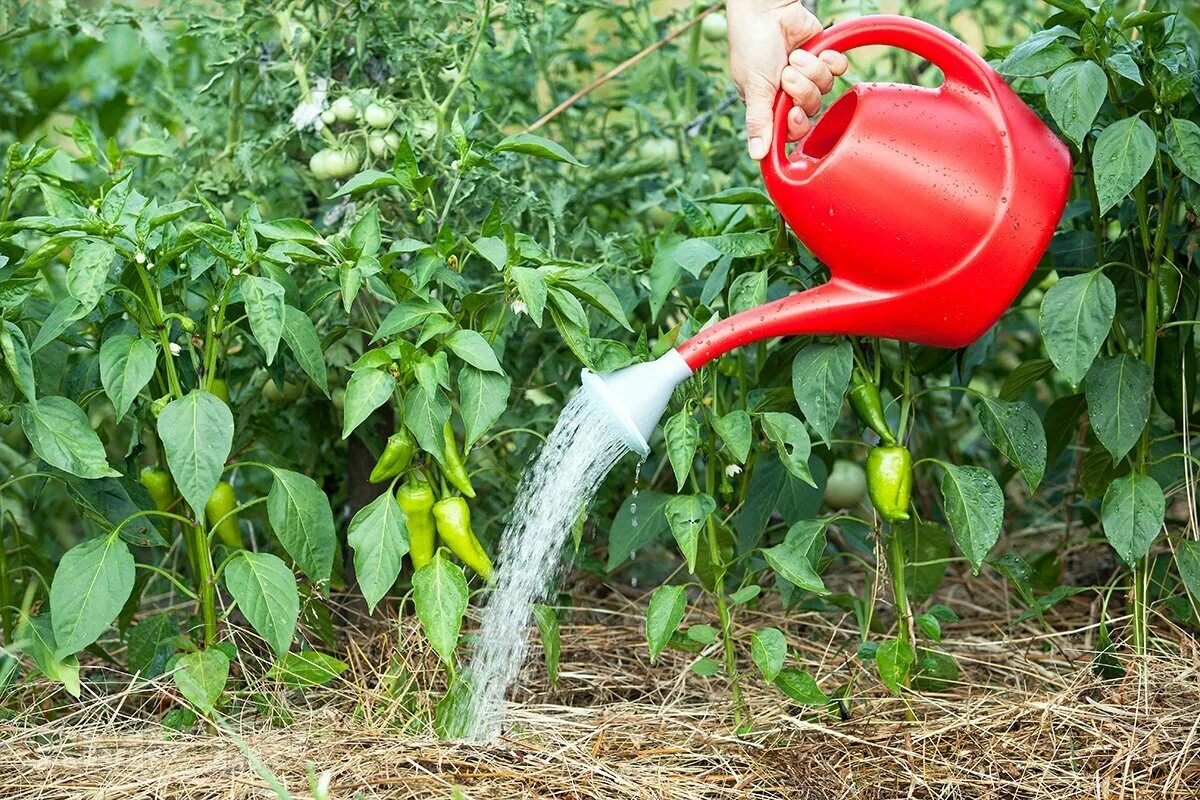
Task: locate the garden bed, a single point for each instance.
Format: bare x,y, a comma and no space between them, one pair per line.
1029,718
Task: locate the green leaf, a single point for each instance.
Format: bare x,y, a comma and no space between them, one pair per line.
408,315
367,390
264,299
1187,559
126,366
667,607
294,230
299,513
735,430
748,290
474,350
640,520
1124,65
35,636
265,590
301,336
682,434
706,668
1122,156
1074,95
529,144
1025,375
768,648
197,434
1041,52
425,413
686,515
18,360
482,398
59,433
926,551
791,441
820,377
1132,515
440,596
306,669
547,623
893,659
1118,392
200,677
367,180
974,508
1183,143
379,535
801,687
151,645
532,289
1076,315
65,312
1016,431
792,558
92,582
88,273
702,634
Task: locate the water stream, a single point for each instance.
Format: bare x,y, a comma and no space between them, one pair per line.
555,489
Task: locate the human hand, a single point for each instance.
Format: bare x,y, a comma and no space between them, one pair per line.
764,41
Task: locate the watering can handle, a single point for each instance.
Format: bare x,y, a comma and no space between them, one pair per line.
961,66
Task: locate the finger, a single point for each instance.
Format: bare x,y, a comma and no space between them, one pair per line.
812,68
760,98
799,25
837,61
803,91
798,124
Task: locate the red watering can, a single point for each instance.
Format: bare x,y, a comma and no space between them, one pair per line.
931,208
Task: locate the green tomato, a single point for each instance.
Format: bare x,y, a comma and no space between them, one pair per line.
343,108
378,116
424,128
846,485
658,150
319,164
381,146
714,27
328,117
659,216
342,163
289,394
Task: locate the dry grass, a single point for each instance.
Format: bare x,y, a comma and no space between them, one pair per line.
1029,719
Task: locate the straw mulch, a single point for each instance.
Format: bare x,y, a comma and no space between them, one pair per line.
1029,719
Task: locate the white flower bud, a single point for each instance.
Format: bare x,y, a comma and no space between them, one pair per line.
237,271
139,257
733,469
519,307
176,349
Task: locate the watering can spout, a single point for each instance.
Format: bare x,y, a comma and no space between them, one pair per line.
636,397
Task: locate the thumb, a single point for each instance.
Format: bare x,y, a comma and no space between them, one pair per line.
760,122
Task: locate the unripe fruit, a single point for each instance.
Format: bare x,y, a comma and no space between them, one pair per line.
378,116
714,27
846,485
343,108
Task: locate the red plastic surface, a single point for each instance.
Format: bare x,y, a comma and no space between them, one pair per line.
931,207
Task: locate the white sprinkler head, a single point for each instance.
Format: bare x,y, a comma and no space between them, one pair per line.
637,396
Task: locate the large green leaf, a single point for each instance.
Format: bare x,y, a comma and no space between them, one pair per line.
35,636
474,350
301,336
768,648
299,513
306,669
88,273
682,434
151,644
197,435
14,351
686,516
1123,154
533,145
893,659
440,597
1118,397
1074,95
792,558
482,398
1132,515
367,390
201,677
1076,315
1016,431
801,687
974,508
735,430
667,607
379,535
640,520
820,376
425,414
92,582
265,590
791,442
264,300
126,366
59,433
1183,143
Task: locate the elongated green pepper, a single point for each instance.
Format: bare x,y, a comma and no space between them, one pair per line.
889,481
454,527
454,469
868,407
158,486
395,458
416,501
216,512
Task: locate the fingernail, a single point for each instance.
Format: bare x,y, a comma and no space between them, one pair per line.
758,148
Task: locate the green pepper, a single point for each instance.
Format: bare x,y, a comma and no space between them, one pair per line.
416,501
889,481
868,406
395,458
454,528
220,389
454,469
216,513
158,486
